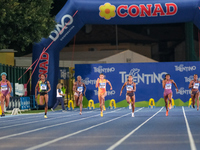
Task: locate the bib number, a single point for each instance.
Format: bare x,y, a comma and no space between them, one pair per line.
102,85
196,86
4,88
168,86
80,89
129,88
43,87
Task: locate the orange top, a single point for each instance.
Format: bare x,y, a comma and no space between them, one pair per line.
102,86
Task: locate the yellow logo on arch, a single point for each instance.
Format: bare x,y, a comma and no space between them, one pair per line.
107,11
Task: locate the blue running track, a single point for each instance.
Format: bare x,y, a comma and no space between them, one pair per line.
150,129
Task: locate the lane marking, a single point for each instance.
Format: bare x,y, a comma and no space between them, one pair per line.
129,134
46,127
80,131
64,116
192,143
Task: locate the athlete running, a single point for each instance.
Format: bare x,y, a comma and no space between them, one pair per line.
78,92
6,89
194,85
101,84
43,85
167,85
130,92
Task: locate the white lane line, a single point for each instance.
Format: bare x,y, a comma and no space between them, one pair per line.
80,131
46,127
192,144
20,124
129,134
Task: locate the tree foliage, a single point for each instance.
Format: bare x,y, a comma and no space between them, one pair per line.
24,22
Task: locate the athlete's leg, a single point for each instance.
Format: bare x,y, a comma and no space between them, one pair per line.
80,103
128,99
101,102
7,99
2,98
46,97
76,99
170,100
193,100
41,99
197,99
166,102
133,103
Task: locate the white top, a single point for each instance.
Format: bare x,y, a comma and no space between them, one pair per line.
59,91
196,86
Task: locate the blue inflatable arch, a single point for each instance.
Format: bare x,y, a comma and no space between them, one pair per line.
76,13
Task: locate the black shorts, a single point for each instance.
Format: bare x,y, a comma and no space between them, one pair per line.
42,93
130,94
194,92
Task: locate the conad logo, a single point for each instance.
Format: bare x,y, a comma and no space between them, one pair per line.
108,11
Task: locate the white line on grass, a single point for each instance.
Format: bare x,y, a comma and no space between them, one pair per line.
192,144
128,135
80,131
64,116
46,127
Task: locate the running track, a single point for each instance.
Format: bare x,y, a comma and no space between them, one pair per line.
149,129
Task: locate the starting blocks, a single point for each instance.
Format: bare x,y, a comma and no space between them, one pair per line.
172,105
70,105
112,104
16,111
151,103
91,105
190,103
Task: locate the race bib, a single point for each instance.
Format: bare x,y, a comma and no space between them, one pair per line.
196,86
129,88
80,89
102,85
43,87
4,88
168,86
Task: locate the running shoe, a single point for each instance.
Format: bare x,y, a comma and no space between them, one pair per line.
130,107
45,116
193,106
80,113
167,112
104,108
52,109
2,115
133,115
170,106
101,114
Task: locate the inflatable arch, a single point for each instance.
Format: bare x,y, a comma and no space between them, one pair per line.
76,13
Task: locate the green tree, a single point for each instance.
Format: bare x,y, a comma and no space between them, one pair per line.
24,22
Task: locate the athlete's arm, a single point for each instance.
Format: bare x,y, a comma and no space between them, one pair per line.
163,83
134,87
190,85
97,83
84,88
49,86
10,87
175,85
36,89
109,84
122,88
74,87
